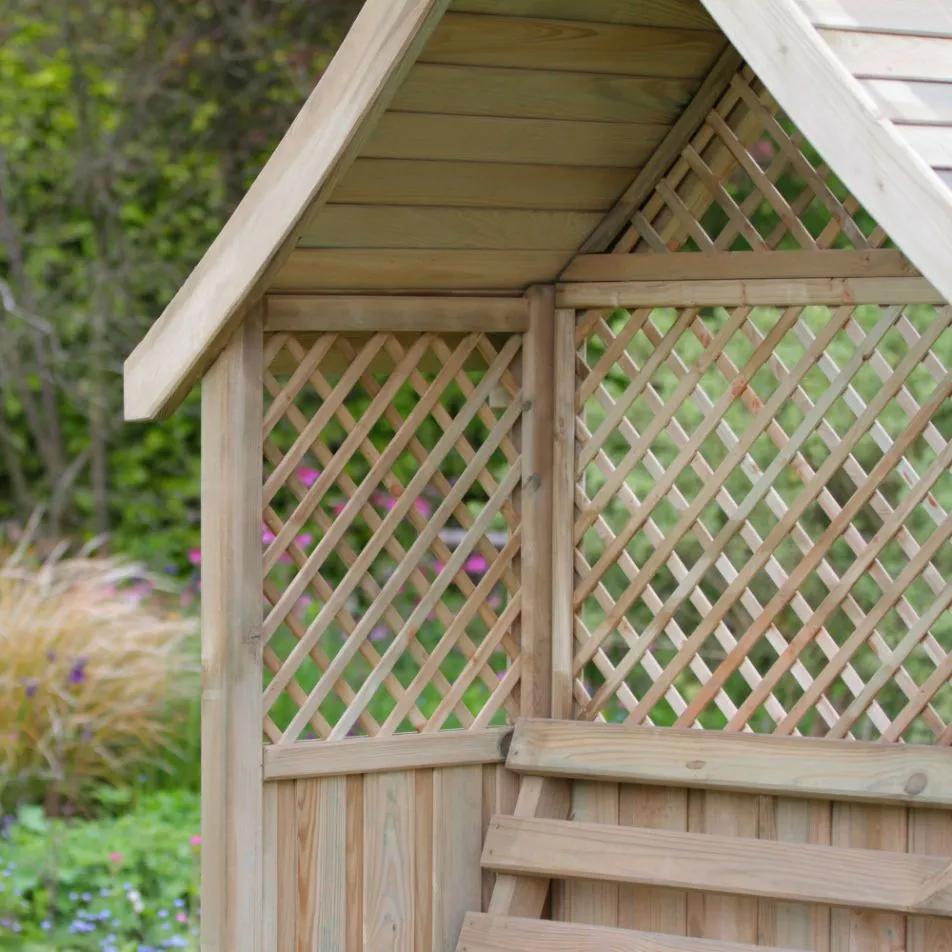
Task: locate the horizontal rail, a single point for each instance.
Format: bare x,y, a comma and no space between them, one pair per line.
741,265
750,763
868,879
482,933
785,292
314,313
380,754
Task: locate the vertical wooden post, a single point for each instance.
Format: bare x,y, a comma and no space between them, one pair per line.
537,443
563,516
231,645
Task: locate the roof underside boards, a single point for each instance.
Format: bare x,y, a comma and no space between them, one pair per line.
901,53
514,133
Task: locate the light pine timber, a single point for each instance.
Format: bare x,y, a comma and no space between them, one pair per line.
324,139
908,101
232,715
408,135
740,266
680,134
331,269
930,832
318,314
755,763
501,934
588,901
756,293
563,513
917,17
500,793
411,182
883,55
542,94
684,14
869,155
725,864
364,226
382,754
528,43
933,143
538,357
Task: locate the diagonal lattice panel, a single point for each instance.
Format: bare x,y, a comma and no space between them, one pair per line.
391,533
762,530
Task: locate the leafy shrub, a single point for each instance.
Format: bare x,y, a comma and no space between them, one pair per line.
115,885
90,672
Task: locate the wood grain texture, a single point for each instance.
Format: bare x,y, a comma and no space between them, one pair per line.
499,934
684,14
314,314
860,878
587,901
387,226
354,866
882,55
740,266
795,766
409,135
538,356
333,270
917,17
530,43
388,888
427,819
930,833
933,143
232,797
323,141
869,155
908,101
543,94
767,292
500,793
481,185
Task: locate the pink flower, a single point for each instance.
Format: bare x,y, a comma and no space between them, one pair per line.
196,840
308,475
267,536
423,507
476,565
195,556
304,539
181,917
115,858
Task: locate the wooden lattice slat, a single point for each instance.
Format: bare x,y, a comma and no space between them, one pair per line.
763,530
392,605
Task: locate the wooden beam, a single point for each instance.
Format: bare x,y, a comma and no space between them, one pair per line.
315,313
834,113
748,763
670,148
482,933
740,266
864,879
760,293
917,17
232,799
402,752
537,485
319,147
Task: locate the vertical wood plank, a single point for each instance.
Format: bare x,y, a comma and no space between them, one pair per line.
232,717
500,792
876,828
563,514
328,883
785,924
728,918
641,907
355,864
270,832
388,861
457,846
930,833
306,890
424,873
537,440
586,901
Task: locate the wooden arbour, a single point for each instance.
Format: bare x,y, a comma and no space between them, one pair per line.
570,369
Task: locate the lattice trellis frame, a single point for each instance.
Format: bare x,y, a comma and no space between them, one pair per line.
392,591
748,181
762,531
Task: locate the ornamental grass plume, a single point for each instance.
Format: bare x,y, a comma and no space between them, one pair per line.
90,673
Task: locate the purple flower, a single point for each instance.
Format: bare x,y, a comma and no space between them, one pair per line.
379,633
51,656
476,565
308,475
195,556
77,673
30,687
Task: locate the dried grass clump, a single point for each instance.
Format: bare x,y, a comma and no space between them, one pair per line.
90,672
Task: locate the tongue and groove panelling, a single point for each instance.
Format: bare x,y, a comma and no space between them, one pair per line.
519,126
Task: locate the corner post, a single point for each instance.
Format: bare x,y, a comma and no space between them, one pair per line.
232,789
538,394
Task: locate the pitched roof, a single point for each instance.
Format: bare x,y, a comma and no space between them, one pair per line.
478,145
